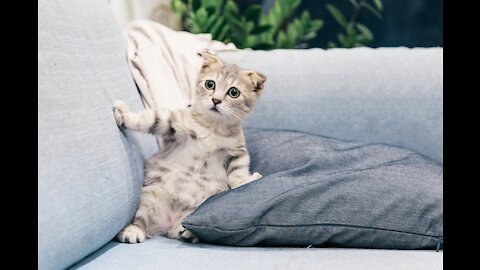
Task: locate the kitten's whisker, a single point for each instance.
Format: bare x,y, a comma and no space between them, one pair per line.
230,112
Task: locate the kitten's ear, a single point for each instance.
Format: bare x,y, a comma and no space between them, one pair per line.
210,60
258,79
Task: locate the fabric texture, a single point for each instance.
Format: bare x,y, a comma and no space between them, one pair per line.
322,191
89,172
383,95
165,63
162,253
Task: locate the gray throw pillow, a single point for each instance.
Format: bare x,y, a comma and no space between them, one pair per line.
322,191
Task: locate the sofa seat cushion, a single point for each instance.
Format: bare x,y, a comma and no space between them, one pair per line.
163,253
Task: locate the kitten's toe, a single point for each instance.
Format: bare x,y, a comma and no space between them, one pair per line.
131,234
188,236
120,108
256,176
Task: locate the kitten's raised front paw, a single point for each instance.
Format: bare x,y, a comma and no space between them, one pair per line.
242,181
120,108
131,234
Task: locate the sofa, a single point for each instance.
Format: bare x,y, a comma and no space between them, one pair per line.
90,172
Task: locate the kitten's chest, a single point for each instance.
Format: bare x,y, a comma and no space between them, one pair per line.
209,153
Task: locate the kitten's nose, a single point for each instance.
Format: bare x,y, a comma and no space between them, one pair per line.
216,101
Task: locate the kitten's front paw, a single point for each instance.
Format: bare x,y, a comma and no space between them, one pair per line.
120,108
256,176
242,181
131,234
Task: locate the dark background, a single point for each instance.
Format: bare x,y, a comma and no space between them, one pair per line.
410,23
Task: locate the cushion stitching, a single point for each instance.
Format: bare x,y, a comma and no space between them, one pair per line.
311,225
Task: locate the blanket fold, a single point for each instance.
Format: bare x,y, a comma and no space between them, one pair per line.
164,62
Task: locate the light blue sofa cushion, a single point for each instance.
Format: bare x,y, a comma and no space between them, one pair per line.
323,191
384,95
162,253
89,172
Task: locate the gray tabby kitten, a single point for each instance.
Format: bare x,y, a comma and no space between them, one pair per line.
202,149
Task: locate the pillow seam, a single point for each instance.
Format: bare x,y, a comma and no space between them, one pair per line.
319,224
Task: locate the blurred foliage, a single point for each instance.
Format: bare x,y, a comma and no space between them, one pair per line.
356,34
278,28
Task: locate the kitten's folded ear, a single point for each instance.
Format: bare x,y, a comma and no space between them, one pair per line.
258,79
210,60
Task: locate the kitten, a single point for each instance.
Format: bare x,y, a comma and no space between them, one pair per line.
202,149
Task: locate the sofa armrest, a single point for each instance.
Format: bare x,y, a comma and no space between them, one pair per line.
385,95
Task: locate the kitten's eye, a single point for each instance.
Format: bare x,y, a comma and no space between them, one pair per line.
209,84
233,92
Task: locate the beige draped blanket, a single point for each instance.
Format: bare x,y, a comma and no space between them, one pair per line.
164,62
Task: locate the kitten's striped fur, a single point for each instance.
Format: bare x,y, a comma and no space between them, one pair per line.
202,151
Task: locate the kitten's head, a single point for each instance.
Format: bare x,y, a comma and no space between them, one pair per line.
225,93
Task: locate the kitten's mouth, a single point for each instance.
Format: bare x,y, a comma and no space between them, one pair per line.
214,109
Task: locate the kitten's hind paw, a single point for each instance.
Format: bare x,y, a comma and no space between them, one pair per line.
183,234
120,108
188,236
131,234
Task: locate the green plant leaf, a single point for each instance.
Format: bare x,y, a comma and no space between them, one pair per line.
337,14
297,23
310,35
294,4
201,17
178,7
316,24
288,7
212,3
378,4
372,10
277,11
249,26
223,33
349,29
210,22
363,39
275,29
291,35
261,29
215,31
234,21
351,38
231,8
365,31
332,44
281,39
251,41
341,38
301,46
354,3
252,12
306,19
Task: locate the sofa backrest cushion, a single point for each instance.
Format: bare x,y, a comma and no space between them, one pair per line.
381,95
89,173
